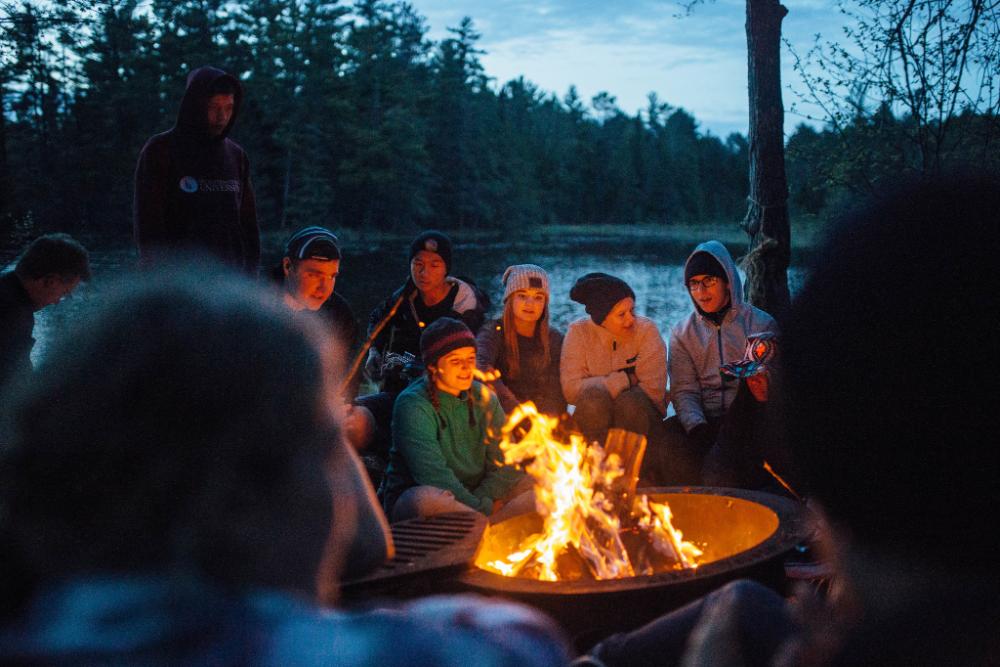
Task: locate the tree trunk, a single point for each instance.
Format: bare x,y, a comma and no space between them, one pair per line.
766,222
286,189
6,195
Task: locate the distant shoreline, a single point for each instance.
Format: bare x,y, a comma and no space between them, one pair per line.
805,234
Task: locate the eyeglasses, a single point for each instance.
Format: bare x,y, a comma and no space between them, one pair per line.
707,282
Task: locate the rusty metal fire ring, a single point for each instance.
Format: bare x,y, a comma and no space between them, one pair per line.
789,519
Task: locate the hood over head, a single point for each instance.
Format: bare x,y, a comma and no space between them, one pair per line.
722,256
192,117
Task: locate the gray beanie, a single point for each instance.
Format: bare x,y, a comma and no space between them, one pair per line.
524,276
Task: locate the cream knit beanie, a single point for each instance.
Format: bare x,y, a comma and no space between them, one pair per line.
524,276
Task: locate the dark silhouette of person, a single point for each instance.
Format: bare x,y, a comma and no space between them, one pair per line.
49,269
170,498
192,182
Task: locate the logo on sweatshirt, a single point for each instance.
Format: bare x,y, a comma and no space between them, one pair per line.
191,185
219,186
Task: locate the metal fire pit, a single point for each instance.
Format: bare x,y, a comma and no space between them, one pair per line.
743,533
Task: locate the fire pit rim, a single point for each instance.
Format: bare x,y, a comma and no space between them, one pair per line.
791,530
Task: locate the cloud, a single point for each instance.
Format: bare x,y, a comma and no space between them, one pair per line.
629,48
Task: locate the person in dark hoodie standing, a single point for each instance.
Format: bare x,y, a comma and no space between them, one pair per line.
192,182
713,335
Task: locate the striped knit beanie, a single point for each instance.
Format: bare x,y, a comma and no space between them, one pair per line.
442,336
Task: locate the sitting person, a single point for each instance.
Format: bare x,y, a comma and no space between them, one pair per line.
396,325
613,366
713,335
522,346
429,293
167,502
891,443
308,273
445,437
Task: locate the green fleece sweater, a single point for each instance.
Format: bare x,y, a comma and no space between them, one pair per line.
440,448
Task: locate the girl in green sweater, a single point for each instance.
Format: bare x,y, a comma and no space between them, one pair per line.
445,453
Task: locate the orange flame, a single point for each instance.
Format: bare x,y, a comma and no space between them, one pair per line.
486,376
581,513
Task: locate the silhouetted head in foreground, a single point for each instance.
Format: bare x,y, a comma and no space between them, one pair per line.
888,354
186,427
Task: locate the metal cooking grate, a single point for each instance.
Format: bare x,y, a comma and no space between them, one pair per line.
436,543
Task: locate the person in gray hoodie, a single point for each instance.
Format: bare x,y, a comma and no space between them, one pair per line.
713,335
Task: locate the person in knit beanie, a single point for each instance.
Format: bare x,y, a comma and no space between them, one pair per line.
446,437
521,345
430,292
435,243
599,293
714,335
613,366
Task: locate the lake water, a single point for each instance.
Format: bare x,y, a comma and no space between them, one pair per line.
652,267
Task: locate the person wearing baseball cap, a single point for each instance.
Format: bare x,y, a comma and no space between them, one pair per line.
613,366
307,276
445,437
521,345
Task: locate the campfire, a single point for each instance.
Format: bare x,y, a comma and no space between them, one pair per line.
591,523
595,543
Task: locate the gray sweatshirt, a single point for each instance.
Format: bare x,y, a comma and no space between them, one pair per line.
698,347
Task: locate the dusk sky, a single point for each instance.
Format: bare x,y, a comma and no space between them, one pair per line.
631,47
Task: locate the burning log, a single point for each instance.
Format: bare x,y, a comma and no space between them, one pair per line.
594,524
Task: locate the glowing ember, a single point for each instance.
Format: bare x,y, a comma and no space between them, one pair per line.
593,524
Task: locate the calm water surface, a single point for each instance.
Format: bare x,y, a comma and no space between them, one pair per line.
653,268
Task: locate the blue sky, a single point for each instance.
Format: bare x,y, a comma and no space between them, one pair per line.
631,47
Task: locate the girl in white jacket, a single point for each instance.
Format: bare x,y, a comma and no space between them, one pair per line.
614,363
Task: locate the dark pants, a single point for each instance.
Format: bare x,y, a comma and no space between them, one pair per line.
679,461
750,620
730,452
376,454
631,410
747,437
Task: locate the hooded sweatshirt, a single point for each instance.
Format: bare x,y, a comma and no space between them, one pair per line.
699,347
193,190
402,332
